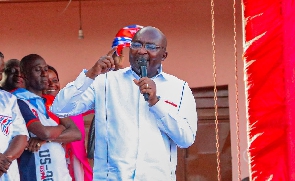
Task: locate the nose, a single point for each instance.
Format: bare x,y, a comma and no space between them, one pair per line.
50,83
44,72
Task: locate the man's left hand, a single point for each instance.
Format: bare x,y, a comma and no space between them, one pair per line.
35,144
4,163
147,85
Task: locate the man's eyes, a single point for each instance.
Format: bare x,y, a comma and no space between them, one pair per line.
151,47
55,81
137,45
40,68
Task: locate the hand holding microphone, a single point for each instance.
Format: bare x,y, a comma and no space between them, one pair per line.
146,85
143,73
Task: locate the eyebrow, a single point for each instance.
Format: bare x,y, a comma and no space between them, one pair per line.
144,42
39,65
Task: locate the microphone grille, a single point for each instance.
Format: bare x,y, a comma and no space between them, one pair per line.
142,62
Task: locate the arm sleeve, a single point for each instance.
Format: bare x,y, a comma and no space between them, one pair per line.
76,98
19,126
179,124
26,112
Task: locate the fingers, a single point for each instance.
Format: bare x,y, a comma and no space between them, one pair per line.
146,85
4,163
118,60
34,145
103,65
106,64
112,51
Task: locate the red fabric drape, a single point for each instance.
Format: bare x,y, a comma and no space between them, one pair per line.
289,61
269,70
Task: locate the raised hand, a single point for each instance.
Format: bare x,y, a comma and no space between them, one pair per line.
118,60
103,65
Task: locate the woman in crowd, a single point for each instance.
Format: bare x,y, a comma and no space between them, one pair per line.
78,164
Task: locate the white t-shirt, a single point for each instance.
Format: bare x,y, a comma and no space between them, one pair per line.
11,125
49,162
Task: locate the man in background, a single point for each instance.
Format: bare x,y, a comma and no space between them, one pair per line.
13,133
12,77
44,158
1,66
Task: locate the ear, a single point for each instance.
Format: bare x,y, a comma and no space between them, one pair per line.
164,56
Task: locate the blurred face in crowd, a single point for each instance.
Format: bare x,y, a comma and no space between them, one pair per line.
1,67
53,83
13,78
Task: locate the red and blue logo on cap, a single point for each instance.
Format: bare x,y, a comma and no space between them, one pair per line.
124,36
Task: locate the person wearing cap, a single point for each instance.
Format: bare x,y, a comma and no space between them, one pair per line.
122,39
13,133
139,119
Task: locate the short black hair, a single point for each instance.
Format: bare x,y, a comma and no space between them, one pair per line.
1,55
26,61
11,63
53,69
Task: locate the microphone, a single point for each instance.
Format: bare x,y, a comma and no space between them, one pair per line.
142,62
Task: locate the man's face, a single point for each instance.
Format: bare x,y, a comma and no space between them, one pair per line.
14,79
154,57
1,67
36,76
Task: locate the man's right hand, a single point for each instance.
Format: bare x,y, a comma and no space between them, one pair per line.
103,65
118,60
4,163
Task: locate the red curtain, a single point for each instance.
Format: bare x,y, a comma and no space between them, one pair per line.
269,59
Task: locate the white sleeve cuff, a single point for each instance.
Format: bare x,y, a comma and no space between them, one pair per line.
82,82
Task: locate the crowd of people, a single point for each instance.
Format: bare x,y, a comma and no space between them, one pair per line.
140,118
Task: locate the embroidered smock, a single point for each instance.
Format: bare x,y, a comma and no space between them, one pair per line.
132,140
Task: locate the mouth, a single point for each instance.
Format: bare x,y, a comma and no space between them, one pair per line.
18,80
51,90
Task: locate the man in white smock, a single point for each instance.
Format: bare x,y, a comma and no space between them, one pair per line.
135,139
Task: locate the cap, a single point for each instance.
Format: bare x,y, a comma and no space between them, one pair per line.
124,36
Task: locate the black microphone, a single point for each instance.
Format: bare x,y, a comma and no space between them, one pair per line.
142,62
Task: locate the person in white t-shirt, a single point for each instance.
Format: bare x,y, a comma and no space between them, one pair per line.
13,134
